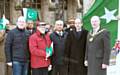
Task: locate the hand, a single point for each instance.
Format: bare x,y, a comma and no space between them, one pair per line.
49,67
9,63
104,66
86,63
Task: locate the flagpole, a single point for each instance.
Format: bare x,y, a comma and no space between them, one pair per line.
118,37
4,8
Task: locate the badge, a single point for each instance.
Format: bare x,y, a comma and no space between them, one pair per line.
91,39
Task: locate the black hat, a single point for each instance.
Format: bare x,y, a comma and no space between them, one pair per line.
41,24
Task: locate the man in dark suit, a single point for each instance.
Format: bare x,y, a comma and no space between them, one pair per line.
97,49
58,38
75,50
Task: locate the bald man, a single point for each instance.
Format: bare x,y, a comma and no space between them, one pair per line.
97,49
16,49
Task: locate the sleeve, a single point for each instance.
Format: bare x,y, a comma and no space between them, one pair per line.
51,37
8,46
34,49
107,47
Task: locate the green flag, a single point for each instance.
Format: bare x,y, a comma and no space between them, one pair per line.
106,10
31,14
50,49
1,24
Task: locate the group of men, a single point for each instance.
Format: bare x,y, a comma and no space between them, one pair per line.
70,51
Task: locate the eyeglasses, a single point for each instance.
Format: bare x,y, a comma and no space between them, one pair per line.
41,26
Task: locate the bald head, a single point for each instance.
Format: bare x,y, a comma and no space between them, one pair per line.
78,23
21,22
95,22
95,18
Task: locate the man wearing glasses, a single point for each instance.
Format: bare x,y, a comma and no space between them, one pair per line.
38,43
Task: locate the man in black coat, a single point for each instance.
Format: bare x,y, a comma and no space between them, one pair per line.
58,38
75,50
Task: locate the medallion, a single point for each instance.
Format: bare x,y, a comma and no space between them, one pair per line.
91,39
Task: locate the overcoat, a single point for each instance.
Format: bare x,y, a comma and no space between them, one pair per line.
98,52
75,52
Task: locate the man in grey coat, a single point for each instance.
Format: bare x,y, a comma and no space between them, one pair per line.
97,49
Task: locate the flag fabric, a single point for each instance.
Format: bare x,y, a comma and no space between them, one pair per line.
50,49
3,22
107,11
30,14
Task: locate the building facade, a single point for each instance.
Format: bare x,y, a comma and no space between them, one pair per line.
48,10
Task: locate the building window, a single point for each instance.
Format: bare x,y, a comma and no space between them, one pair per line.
31,3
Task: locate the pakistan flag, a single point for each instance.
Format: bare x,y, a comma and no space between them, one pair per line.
107,10
30,14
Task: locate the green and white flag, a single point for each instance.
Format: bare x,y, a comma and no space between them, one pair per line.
3,22
107,10
30,14
50,49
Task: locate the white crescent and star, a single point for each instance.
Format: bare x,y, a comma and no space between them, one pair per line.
30,15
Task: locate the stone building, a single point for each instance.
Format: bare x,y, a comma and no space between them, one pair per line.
49,10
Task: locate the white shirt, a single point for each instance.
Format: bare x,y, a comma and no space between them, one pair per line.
60,33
